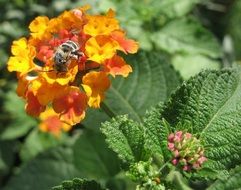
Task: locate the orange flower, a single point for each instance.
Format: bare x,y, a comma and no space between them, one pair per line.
22,86
50,122
117,66
71,106
46,92
33,107
126,45
95,84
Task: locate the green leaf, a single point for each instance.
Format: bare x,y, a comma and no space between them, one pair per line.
120,182
188,36
19,123
7,153
232,182
191,64
177,181
45,171
37,142
153,80
78,184
126,138
156,132
210,103
88,157
94,118
233,26
175,8
93,158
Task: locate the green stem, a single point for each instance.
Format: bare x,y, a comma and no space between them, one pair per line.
107,110
164,165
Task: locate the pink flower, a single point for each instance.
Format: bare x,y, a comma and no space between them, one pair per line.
178,136
187,150
176,153
171,146
186,168
171,137
188,135
202,159
196,165
175,161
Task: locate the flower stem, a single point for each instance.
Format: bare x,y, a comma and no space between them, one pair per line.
164,165
107,110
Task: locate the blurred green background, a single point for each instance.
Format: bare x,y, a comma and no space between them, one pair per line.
193,34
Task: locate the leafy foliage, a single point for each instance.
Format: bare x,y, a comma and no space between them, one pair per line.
176,180
158,80
190,64
208,105
233,27
193,46
7,152
190,33
49,169
94,152
78,184
232,182
20,123
67,162
210,102
156,130
37,142
126,137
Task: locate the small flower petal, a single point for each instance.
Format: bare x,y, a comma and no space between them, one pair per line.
39,26
33,107
126,45
101,25
22,61
50,122
100,48
71,106
95,84
117,66
46,92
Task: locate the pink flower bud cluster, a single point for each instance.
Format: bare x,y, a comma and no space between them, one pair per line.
188,152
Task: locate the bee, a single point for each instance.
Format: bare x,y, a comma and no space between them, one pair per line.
63,55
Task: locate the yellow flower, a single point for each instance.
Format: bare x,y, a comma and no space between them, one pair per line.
101,25
39,26
46,92
100,48
61,78
95,84
22,61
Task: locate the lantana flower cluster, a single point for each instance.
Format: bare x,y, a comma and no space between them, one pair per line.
187,150
86,79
